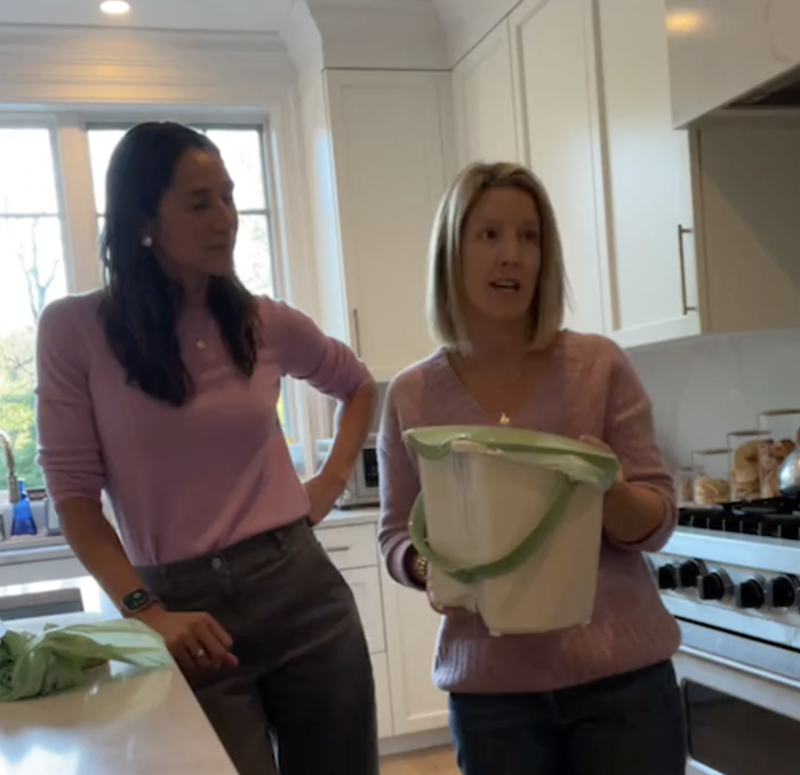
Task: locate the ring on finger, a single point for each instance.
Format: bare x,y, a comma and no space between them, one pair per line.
199,654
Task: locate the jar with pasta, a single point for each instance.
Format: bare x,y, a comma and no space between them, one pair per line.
782,436
711,484
684,485
745,453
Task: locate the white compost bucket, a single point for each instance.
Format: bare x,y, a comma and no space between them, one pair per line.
510,521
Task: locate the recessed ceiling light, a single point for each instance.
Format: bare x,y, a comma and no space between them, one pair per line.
115,7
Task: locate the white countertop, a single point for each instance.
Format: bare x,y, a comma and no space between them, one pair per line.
21,551
125,721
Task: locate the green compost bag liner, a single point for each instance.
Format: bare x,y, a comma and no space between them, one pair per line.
37,665
577,462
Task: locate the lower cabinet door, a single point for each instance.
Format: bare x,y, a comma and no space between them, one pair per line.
366,586
383,699
411,631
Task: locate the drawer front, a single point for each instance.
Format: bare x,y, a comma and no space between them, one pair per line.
350,547
383,700
366,586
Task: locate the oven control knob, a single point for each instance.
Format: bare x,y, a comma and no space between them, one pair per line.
783,592
668,577
751,594
712,586
688,573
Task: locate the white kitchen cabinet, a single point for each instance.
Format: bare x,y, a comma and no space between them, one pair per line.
383,697
557,115
651,275
412,627
719,51
483,100
389,158
349,546
699,224
366,587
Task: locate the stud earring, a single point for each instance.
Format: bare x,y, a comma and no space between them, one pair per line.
147,241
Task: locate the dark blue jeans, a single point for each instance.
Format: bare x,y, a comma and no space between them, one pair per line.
631,724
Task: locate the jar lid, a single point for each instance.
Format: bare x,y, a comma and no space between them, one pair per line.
709,452
746,434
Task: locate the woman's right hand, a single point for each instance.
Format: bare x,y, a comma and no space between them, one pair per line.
194,639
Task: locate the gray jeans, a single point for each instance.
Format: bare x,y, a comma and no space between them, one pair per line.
303,694
630,724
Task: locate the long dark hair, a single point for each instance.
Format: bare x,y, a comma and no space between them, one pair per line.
141,304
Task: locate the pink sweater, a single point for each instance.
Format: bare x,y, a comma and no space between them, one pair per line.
190,480
587,387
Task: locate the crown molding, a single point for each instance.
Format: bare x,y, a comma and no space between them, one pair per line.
467,22
365,34
42,65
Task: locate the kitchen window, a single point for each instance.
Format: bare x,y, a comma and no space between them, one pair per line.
32,273
43,254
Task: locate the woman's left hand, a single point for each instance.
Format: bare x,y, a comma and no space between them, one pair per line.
592,441
323,491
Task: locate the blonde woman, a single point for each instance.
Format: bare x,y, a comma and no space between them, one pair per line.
595,700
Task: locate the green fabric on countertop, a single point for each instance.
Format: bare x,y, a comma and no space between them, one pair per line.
59,658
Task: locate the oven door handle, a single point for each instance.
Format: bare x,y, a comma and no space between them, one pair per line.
740,667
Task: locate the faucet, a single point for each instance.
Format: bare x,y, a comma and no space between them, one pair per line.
13,483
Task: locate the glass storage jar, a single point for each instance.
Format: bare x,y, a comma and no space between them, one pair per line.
745,451
782,435
711,484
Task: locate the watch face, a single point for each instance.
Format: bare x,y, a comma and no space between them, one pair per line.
137,600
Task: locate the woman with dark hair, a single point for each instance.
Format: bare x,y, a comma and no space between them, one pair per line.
162,389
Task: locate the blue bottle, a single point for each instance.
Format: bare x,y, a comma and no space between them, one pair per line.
23,524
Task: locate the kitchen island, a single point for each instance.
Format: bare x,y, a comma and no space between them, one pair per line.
125,721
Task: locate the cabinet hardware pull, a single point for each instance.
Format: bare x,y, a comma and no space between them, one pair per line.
357,332
682,232
334,549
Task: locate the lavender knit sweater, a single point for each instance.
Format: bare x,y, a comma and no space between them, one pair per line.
587,387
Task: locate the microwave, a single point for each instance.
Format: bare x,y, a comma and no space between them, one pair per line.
362,488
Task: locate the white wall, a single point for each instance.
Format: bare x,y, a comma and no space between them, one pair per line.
703,390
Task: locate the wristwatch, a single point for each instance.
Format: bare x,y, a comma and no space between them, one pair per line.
421,569
138,602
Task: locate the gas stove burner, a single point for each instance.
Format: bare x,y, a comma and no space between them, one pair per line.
769,518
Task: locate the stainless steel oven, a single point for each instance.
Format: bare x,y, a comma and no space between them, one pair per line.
742,699
730,577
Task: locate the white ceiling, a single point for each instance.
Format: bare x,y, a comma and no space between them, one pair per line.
221,15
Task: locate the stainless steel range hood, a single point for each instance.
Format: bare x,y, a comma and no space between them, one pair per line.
732,54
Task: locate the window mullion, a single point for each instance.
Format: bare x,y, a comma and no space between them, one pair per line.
75,173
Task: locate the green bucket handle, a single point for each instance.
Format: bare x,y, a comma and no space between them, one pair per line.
505,565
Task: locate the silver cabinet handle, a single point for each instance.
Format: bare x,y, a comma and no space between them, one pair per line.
357,332
336,549
682,232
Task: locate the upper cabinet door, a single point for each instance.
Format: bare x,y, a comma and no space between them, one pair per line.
388,156
483,99
648,181
556,85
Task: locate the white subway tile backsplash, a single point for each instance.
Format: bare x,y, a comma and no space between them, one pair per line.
703,389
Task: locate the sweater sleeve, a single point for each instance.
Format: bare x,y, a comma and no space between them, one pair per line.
69,447
630,433
306,353
399,485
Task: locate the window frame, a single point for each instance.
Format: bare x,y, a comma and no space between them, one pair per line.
78,213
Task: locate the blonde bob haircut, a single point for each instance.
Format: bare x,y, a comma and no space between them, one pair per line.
445,284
